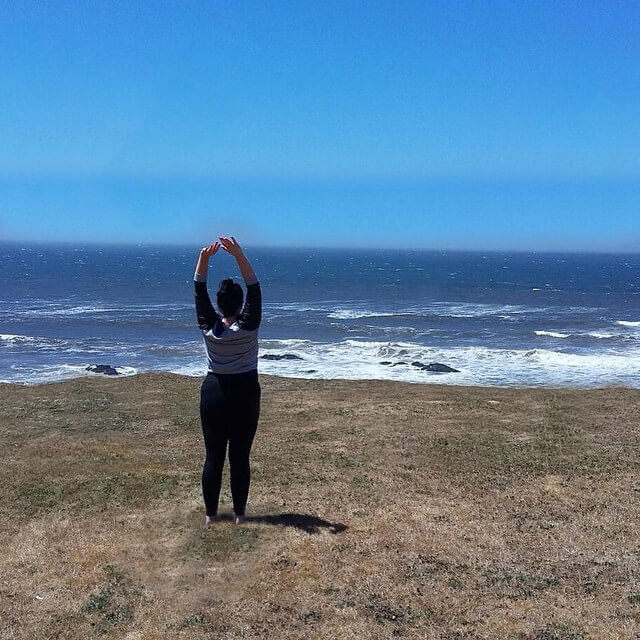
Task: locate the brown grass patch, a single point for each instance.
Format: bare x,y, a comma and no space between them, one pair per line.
377,510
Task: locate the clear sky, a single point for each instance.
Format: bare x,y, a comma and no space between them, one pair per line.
488,125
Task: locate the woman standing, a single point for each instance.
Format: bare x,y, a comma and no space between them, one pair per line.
230,392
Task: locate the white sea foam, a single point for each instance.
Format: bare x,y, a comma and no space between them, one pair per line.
598,335
628,323
552,334
72,311
292,306
362,359
32,343
55,372
59,345
46,309
355,359
468,310
352,314
194,369
393,331
11,338
442,309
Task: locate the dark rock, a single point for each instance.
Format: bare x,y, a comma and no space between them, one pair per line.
107,369
280,356
434,367
441,368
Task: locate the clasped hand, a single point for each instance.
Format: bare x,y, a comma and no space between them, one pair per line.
230,245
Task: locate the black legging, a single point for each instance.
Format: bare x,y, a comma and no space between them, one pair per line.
229,411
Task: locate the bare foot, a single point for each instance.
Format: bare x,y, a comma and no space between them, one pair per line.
239,519
211,520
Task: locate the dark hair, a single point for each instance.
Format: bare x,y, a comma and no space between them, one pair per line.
230,297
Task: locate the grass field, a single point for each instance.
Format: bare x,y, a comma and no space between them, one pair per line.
376,510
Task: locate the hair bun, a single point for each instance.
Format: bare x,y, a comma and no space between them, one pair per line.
226,284
230,296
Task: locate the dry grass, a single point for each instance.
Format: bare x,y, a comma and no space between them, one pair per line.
377,510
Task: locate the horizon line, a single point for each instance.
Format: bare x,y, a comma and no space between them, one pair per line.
303,247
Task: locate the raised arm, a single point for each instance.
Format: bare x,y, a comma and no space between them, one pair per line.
251,314
205,312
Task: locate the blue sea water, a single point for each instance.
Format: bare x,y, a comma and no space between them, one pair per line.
499,318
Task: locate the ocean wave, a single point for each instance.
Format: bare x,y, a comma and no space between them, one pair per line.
191,347
48,309
75,311
328,308
400,329
628,323
193,369
96,346
598,335
284,343
57,345
440,310
356,359
32,342
11,338
365,359
337,310
351,314
40,374
478,310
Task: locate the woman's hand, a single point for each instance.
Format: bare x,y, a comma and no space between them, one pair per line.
207,252
203,261
231,246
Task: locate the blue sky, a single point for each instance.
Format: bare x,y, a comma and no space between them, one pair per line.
488,125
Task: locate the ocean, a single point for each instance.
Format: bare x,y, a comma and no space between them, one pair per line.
503,319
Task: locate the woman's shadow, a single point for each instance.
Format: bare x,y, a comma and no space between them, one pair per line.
302,521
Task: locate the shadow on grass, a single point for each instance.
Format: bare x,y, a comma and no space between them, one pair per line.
302,521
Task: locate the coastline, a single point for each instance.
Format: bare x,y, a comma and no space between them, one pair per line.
503,319
429,381
376,508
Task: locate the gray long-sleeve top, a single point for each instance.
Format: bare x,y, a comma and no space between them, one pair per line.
232,349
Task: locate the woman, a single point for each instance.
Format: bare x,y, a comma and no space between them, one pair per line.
230,392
